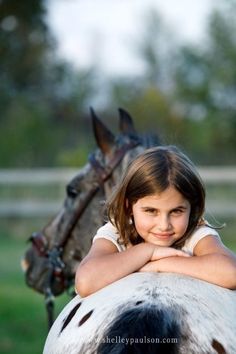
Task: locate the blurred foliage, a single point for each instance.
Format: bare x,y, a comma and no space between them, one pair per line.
185,94
42,100
205,89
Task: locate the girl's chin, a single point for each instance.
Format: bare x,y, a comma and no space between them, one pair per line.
163,243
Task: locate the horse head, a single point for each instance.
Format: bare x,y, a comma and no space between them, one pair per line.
57,249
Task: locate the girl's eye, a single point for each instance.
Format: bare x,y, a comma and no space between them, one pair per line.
177,211
150,211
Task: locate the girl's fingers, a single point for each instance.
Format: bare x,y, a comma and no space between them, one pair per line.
163,252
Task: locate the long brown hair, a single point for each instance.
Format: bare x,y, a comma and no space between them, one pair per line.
152,172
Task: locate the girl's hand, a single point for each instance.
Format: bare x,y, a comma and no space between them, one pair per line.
150,267
163,252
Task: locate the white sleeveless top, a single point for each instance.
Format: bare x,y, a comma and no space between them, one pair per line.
109,232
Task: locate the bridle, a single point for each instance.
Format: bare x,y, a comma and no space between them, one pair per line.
54,254
105,172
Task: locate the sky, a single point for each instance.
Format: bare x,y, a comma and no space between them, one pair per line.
103,31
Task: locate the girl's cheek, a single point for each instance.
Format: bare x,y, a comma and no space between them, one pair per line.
141,223
180,222
185,223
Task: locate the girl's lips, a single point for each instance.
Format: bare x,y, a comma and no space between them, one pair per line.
163,235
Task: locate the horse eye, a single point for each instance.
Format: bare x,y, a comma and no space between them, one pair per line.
71,191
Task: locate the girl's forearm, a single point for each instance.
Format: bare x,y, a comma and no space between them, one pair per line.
218,269
101,271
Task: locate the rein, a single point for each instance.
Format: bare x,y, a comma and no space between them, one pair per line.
54,255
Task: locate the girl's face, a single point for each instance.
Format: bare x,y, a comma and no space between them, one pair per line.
162,218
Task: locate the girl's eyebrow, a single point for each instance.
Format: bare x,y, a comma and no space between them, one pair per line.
182,207
148,207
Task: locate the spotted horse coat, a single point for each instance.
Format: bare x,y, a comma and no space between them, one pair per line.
148,313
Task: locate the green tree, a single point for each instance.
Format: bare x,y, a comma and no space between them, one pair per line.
24,44
147,95
187,92
206,88
43,100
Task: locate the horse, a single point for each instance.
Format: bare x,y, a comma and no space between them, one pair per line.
148,313
169,313
51,260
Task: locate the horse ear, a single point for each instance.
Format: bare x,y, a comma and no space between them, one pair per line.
126,122
104,137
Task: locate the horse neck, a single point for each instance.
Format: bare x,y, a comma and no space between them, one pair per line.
88,223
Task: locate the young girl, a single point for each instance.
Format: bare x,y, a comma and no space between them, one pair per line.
156,224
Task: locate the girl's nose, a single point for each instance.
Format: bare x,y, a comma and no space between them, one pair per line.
163,223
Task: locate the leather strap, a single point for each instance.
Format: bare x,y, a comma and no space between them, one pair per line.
105,172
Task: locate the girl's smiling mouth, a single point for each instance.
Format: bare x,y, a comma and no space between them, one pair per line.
162,235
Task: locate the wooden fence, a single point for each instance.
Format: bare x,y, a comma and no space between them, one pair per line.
223,178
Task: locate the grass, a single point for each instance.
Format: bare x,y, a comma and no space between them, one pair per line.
23,322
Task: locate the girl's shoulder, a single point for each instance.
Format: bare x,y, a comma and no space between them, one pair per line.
108,228
110,233
197,235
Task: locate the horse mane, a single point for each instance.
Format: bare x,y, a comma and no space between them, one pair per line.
150,140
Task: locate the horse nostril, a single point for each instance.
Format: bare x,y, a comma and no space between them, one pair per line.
39,241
